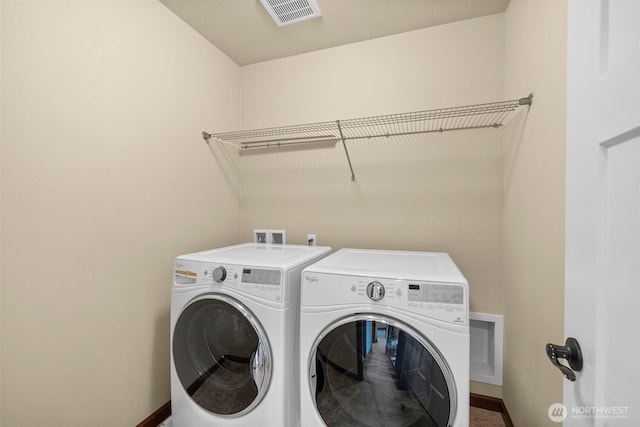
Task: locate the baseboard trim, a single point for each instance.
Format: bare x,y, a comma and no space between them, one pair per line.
492,404
157,417
476,400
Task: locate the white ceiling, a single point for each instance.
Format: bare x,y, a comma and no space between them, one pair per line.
245,32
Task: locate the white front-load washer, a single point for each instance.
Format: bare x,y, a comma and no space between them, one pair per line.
384,340
234,335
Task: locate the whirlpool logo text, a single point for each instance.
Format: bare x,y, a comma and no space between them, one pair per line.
311,279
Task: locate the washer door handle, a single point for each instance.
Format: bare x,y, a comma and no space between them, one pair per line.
571,352
313,379
258,366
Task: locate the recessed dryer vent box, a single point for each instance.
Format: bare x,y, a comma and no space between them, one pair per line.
486,331
275,237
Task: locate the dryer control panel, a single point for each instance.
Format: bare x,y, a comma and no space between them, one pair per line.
438,300
260,282
265,283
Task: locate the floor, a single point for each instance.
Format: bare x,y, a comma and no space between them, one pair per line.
485,418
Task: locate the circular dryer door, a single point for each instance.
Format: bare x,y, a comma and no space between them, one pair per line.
221,356
372,370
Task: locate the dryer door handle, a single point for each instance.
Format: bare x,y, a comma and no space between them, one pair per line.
258,366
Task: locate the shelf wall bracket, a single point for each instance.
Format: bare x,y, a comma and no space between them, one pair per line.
526,101
353,176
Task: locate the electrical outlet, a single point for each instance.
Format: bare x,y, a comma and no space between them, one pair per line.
311,239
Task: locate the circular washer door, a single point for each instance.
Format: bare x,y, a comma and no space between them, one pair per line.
372,370
221,355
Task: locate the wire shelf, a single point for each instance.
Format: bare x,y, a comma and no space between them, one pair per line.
279,136
489,115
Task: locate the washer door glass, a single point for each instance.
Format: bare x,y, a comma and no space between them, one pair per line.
221,356
370,370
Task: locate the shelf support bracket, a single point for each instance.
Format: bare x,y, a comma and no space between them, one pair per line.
526,101
353,177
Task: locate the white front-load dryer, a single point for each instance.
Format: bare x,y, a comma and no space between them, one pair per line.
384,340
234,330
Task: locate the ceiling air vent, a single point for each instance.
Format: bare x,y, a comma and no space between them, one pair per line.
286,12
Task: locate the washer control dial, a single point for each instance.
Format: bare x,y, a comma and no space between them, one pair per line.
375,291
219,274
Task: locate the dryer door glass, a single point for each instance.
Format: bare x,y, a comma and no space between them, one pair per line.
221,356
370,370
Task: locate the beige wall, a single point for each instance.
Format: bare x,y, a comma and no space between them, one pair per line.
435,193
455,64
105,179
533,261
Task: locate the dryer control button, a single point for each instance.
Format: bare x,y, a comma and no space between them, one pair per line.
375,291
219,274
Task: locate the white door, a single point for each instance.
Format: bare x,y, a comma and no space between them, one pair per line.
602,290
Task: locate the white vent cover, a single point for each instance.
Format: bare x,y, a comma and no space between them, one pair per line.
286,12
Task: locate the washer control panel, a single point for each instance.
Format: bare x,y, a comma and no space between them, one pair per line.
439,300
435,293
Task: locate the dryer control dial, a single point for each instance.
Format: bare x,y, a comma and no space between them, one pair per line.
375,291
219,274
